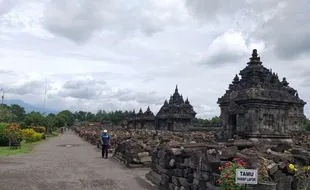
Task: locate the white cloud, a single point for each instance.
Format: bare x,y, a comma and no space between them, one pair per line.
120,54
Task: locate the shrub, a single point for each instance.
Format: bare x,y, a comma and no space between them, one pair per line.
228,175
12,132
29,135
39,129
302,174
4,141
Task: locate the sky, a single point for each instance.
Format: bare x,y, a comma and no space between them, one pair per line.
124,55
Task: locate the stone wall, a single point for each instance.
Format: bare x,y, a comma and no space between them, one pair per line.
136,151
196,166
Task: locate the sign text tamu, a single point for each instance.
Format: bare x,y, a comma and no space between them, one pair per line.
246,176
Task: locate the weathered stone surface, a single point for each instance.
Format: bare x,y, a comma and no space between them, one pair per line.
260,106
272,168
175,115
228,153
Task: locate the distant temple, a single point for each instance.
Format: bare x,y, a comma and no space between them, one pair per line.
175,115
259,105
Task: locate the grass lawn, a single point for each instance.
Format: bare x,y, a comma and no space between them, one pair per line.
54,134
25,149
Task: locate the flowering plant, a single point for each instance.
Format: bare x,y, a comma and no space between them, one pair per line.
228,175
302,174
12,132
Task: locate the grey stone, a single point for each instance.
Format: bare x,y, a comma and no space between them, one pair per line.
146,159
260,105
272,168
183,181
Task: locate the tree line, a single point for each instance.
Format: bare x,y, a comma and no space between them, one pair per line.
16,113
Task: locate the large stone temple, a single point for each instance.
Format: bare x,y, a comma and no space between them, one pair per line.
258,105
175,115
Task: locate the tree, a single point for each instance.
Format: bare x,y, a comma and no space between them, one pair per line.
69,119
6,114
35,119
215,120
50,120
18,111
60,120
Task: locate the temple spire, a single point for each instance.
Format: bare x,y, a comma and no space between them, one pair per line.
186,101
176,89
255,60
236,79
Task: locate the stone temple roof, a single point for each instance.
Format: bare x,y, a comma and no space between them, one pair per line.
259,83
177,107
148,112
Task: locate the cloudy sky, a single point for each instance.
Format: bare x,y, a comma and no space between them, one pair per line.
121,54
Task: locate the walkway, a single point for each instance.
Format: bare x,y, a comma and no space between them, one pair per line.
77,167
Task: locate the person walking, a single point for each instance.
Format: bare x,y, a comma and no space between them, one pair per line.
105,142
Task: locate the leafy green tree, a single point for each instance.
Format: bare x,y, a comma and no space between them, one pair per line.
35,119
4,141
60,120
18,111
69,117
6,114
215,120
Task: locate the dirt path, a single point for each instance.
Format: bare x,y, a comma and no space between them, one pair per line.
55,167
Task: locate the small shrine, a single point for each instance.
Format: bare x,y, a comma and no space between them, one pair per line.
258,105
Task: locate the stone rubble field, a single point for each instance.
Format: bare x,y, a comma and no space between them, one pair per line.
191,160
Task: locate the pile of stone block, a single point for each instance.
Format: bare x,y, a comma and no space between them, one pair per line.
133,153
196,166
87,133
301,138
136,150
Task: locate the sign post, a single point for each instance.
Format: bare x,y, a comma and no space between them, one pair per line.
246,176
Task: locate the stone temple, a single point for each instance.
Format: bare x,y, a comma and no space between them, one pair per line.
259,106
175,115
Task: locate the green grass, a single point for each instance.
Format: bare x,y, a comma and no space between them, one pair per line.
54,134
25,149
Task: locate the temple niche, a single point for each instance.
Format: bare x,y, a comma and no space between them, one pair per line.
259,105
175,115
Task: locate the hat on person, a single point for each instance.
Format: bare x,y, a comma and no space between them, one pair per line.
105,131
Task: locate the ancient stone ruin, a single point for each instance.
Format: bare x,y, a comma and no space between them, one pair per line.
260,106
260,116
141,120
175,115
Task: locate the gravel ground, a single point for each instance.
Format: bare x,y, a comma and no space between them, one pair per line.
53,166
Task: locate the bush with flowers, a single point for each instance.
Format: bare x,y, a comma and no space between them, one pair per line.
302,174
39,129
29,135
12,132
228,175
